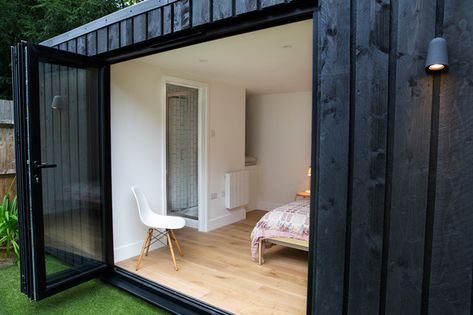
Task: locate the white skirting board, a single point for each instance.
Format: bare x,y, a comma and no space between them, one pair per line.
133,249
235,216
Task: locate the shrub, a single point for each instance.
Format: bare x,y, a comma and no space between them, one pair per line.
9,226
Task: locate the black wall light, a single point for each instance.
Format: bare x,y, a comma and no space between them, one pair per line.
437,55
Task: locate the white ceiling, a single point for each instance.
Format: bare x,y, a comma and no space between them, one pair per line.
273,60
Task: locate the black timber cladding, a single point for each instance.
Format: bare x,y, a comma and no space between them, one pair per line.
393,146
152,19
399,193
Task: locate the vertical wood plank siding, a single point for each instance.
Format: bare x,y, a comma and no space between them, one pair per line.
200,12
222,9
72,45
370,59
410,157
420,259
333,111
172,17
452,250
139,28
126,32
82,45
154,23
394,148
167,19
102,40
92,43
114,36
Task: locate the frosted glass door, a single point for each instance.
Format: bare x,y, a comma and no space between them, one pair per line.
182,151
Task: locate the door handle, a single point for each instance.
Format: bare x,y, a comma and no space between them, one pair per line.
44,165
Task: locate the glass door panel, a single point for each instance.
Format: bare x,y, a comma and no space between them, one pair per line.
71,194
62,99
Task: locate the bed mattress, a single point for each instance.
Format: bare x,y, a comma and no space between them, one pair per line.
291,221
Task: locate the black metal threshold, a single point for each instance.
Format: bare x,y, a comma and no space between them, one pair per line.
163,297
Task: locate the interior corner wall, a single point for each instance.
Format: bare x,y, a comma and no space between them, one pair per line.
136,141
278,134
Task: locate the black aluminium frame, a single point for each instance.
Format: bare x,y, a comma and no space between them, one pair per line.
28,147
163,297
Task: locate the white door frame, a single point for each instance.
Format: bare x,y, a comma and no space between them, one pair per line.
202,181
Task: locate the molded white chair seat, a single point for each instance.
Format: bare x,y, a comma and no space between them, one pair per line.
157,222
151,218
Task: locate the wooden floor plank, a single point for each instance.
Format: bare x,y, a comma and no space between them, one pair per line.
217,268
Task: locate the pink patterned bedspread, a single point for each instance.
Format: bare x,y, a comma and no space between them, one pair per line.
290,220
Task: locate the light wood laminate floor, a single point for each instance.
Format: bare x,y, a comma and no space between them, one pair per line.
217,268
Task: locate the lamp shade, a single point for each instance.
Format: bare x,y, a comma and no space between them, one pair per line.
437,55
57,102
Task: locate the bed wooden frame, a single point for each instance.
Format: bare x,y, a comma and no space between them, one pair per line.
283,241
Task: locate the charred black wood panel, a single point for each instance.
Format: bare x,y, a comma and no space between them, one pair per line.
139,28
332,101
72,45
102,40
154,23
452,246
370,60
416,25
243,6
181,15
222,9
82,45
200,12
126,32
268,3
92,43
63,46
114,36
112,33
167,19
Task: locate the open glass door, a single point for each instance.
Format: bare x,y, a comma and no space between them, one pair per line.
62,114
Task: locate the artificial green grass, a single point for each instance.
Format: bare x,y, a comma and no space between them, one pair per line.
92,297
54,265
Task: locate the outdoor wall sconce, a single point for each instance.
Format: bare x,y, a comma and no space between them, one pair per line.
437,55
57,102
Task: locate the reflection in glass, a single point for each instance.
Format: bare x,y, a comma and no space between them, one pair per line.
72,197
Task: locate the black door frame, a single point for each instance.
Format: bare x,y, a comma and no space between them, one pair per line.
26,57
161,296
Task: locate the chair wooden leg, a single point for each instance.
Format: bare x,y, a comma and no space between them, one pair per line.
173,236
142,251
260,252
150,238
171,250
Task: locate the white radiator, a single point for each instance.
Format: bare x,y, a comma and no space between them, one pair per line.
237,189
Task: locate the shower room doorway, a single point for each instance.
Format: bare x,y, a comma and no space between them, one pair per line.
183,106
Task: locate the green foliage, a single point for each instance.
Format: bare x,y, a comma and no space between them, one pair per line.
38,20
9,226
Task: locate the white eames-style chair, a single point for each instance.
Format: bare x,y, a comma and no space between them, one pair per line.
162,224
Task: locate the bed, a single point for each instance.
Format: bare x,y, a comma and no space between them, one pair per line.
287,225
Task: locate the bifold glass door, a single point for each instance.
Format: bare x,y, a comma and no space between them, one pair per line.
64,107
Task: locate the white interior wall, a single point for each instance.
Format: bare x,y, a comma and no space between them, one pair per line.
278,129
136,140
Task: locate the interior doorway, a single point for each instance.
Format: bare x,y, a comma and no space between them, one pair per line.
182,151
258,87
184,105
